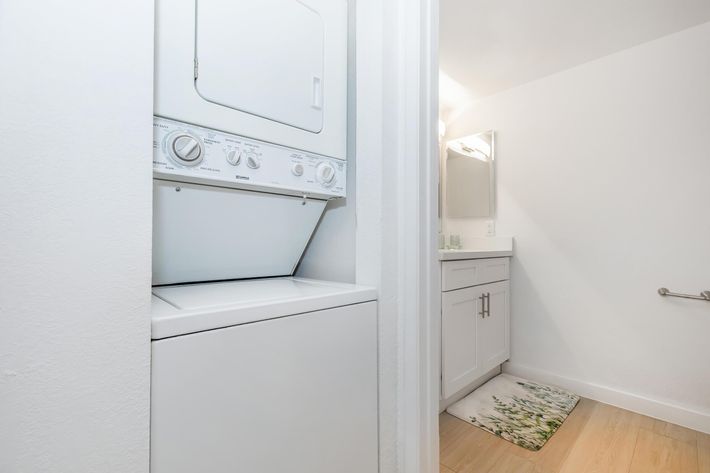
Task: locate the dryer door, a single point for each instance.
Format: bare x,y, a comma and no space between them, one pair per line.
263,57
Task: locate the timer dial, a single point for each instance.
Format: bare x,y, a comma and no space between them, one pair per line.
185,149
325,174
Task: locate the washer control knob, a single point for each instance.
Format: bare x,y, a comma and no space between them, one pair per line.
297,169
253,160
233,156
325,173
186,149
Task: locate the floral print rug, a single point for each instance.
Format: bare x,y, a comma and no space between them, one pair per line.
518,410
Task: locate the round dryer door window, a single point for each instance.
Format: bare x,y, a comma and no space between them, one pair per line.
263,57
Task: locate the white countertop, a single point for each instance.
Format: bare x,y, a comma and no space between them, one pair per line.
482,247
448,255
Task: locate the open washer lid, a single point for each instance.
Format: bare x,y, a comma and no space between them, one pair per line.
243,49
190,308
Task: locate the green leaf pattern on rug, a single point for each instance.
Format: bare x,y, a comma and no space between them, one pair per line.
529,421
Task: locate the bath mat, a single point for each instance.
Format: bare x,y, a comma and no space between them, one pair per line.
518,410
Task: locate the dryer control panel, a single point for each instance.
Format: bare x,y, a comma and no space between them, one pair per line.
189,153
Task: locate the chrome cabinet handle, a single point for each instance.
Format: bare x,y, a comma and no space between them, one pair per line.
485,305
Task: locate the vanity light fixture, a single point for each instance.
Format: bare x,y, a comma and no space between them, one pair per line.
472,148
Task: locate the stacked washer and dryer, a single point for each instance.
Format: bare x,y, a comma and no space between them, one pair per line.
254,370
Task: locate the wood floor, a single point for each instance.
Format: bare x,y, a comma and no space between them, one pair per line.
595,438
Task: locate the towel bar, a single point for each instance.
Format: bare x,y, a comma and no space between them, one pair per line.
704,296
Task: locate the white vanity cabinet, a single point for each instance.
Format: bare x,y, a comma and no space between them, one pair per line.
475,320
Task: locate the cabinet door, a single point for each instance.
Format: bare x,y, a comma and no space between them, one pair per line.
460,311
494,328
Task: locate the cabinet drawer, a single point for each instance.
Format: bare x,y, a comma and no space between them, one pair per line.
472,272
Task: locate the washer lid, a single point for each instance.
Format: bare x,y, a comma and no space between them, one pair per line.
263,57
189,308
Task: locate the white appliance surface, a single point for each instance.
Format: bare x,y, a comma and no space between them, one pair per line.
285,392
249,133
294,98
273,70
191,153
204,233
189,308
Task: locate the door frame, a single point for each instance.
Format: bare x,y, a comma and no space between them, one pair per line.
397,189
421,331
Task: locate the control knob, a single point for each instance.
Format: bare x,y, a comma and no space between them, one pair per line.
233,156
325,174
185,149
297,169
253,160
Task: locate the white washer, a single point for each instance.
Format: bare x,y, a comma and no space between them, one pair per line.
272,70
268,375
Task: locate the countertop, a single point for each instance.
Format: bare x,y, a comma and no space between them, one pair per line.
483,247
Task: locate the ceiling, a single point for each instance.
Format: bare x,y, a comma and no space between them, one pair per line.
487,46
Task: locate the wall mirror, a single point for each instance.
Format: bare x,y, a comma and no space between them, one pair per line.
470,176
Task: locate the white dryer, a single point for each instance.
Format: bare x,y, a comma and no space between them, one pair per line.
271,70
249,134
271,375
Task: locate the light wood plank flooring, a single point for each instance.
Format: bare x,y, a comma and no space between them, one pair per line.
595,438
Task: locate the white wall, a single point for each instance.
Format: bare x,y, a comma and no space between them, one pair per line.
75,219
330,254
603,180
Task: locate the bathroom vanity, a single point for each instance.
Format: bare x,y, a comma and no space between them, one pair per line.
475,316
475,282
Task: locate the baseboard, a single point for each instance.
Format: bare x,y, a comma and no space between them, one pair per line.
655,408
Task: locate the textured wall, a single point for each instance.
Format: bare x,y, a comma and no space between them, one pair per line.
75,223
